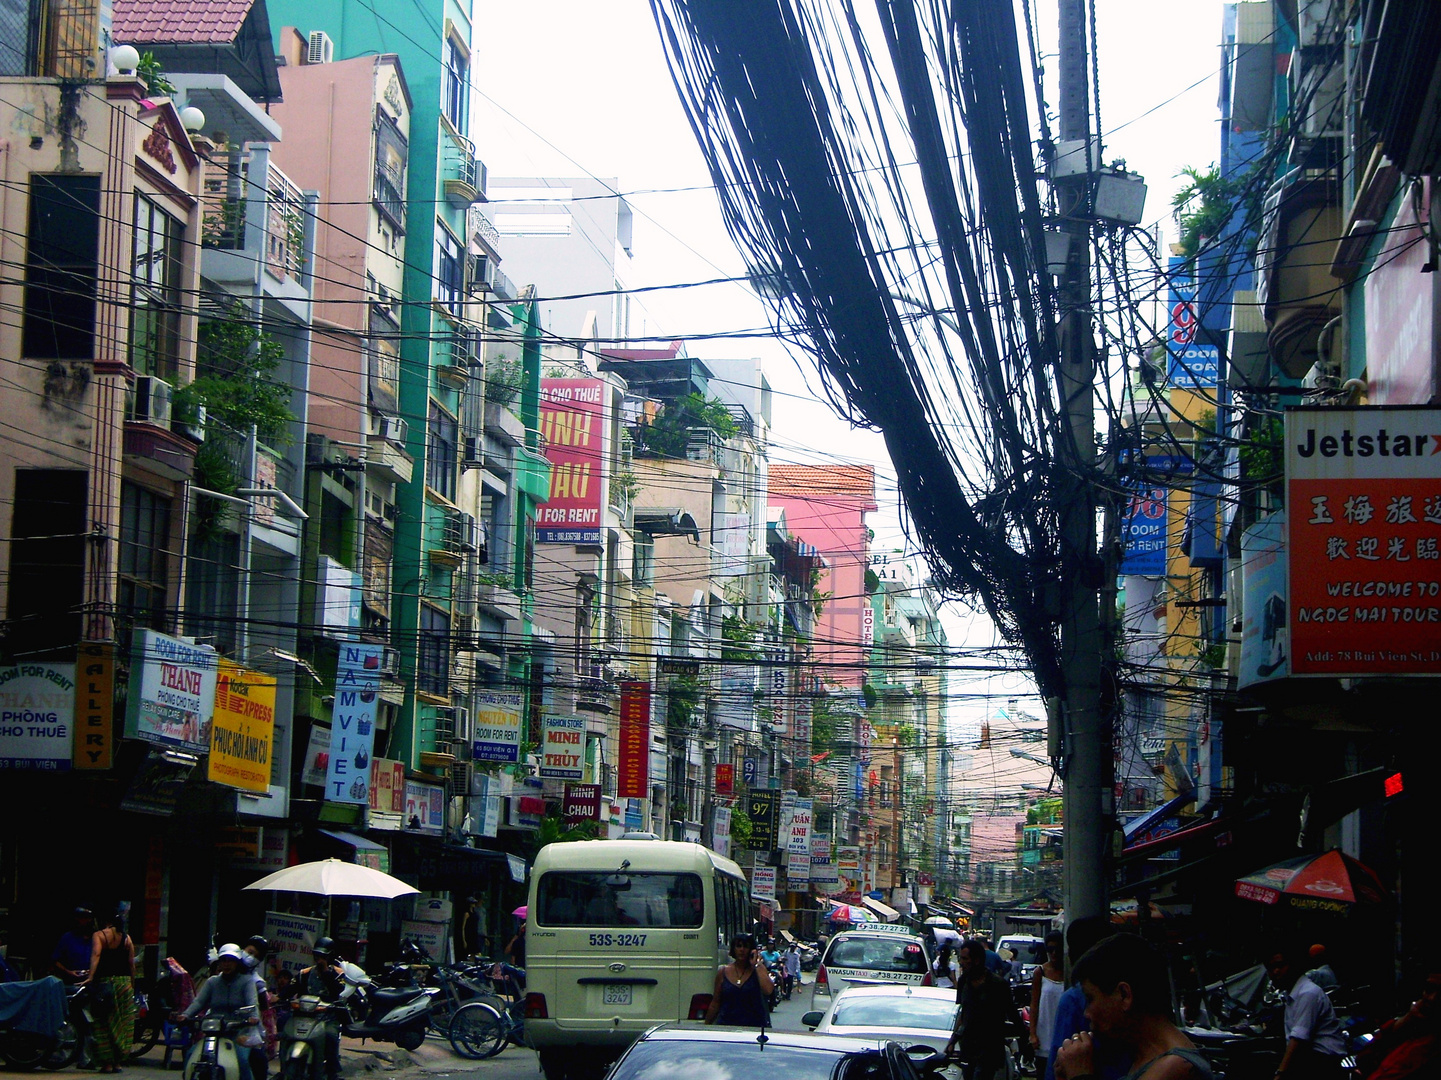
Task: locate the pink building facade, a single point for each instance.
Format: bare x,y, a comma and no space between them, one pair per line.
827,505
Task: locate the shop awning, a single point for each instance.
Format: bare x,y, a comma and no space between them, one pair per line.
360,843
886,912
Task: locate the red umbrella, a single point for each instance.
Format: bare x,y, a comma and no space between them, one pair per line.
1330,882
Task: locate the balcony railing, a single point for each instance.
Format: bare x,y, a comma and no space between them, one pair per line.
285,240
388,195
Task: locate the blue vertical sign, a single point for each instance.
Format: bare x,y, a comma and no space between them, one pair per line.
1191,365
352,725
750,769
1143,530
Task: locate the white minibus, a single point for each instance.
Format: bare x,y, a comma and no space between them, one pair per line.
622,935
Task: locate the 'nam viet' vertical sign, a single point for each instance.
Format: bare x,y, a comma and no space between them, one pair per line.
352,725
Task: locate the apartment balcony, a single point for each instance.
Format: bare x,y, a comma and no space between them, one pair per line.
497,600
388,462
257,229
464,177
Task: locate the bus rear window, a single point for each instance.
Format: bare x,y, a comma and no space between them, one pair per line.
597,898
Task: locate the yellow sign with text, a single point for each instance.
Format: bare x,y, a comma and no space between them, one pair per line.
242,728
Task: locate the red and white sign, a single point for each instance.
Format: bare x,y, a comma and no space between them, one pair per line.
582,802
572,413
1364,540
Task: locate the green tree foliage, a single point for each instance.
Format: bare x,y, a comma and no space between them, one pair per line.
153,77
235,368
668,434
738,640
741,828
1204,204
553,830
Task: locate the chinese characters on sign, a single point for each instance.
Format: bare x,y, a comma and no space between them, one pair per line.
1364,540
571,421
633,766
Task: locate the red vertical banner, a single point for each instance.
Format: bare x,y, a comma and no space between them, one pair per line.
725,779
633,760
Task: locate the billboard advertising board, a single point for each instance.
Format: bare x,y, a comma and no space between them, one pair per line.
572,415
1363,541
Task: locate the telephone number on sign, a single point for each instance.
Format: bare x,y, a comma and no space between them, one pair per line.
617,939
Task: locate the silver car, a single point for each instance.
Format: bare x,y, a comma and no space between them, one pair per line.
909,1015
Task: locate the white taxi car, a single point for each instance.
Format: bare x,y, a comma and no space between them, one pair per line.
877,954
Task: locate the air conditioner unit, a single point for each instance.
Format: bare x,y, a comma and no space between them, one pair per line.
390,662
1319,89
151,403
319,48
473,455
195,430
460,777
394,430
478,272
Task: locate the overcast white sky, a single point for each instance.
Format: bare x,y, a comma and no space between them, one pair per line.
576,87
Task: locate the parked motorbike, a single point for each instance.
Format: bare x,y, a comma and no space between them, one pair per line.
399,1015
215,1055
302,1041
33,1032
70,1040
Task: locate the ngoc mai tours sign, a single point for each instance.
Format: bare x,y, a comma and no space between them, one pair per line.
1364,540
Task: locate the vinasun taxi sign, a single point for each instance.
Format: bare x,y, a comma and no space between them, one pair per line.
1364,540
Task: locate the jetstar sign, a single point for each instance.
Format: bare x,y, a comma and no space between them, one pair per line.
1364,544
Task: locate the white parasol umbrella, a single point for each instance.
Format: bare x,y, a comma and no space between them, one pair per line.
940,920
331,877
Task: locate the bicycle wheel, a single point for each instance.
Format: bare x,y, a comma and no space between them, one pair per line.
147,1034
68,1042
476,1031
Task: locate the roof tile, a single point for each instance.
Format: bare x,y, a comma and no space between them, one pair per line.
858,480
178,22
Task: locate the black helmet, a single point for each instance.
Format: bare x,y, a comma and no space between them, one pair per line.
325,947
259,944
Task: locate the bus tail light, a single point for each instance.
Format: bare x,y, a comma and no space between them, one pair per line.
699,1005
535,1007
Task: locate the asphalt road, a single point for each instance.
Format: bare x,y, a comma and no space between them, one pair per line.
373,1061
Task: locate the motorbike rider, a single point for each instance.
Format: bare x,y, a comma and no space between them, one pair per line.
256,949
231,991
771,957
71,959
324,979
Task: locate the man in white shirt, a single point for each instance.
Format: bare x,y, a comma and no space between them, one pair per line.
1314,1043
793,968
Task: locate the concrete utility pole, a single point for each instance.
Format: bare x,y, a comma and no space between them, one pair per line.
1087,795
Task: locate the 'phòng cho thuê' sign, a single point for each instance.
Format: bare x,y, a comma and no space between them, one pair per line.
37,712
1364,540
174,695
